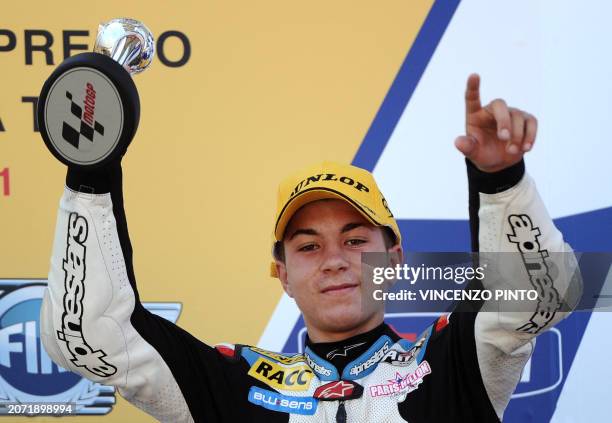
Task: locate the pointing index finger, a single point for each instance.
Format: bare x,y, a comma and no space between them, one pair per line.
472,94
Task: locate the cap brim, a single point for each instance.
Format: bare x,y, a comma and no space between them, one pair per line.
308,196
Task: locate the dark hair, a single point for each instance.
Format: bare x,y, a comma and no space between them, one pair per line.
389,239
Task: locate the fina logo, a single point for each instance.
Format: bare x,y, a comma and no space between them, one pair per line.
27,373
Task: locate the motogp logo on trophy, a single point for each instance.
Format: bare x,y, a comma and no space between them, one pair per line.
88,125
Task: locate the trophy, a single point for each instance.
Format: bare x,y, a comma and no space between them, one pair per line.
88,109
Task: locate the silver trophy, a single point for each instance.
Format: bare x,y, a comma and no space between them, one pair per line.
126,41
89,107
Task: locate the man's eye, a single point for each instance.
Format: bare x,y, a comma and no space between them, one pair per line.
355,242
308,247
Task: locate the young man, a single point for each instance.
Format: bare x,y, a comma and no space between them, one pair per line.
355,368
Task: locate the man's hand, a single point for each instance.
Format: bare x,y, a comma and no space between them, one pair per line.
497,136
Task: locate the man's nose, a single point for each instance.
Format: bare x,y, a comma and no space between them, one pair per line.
335,259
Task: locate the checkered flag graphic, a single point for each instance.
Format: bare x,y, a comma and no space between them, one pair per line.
72,135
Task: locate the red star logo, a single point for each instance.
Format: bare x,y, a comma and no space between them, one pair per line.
339,389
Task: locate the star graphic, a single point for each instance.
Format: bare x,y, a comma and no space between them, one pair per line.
398,378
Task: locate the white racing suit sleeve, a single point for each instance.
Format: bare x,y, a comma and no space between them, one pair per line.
512,220
86,312
92,321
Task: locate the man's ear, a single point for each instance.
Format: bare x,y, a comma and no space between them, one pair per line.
396,255
281,271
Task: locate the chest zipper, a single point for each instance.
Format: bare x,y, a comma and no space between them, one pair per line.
341,413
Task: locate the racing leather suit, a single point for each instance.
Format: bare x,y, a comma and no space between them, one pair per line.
463,368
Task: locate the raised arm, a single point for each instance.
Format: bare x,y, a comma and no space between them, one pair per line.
93,323
507,215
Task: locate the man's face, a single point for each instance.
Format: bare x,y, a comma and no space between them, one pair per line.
322,269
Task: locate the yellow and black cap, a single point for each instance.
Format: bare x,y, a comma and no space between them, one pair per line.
330,180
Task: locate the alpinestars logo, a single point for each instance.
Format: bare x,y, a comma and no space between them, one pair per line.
525,235
375,358
88,124
72,332
342,351
338,390
317,367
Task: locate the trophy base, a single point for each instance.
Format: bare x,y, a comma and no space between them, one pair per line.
88,111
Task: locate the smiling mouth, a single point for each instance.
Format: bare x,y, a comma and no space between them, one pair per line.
339,289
